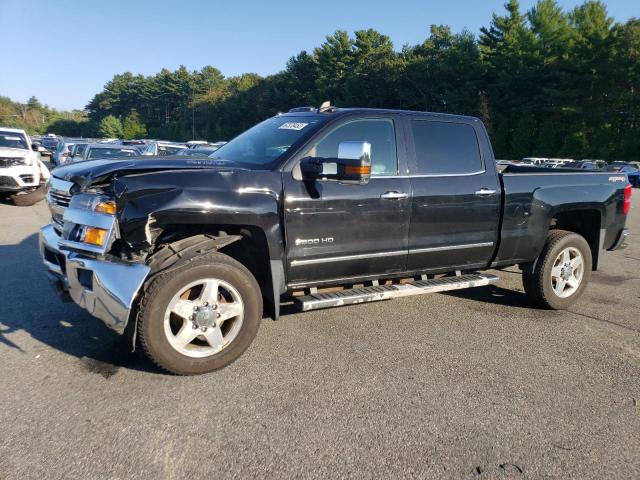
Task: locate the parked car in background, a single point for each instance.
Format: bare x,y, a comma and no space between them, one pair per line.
195,143
634,178
163,148
535,160
21,170
622,167
626,163
199,151
585,165
140,144
61,154
619,166
550,165
77,150
38,148
50,144
106,151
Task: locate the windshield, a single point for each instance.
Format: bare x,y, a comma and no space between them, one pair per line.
111,153
13,140
261,146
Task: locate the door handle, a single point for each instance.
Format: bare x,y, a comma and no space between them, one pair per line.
394,195
485,192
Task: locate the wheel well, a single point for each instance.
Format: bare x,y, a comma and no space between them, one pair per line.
252,250
583,222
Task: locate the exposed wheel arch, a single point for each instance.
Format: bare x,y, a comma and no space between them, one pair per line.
585,222
248,244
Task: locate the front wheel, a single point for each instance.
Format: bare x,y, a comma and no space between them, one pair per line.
561,272
201,316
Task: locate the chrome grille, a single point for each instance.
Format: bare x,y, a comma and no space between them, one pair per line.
59,198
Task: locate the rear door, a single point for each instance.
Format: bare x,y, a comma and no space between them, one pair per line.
336,231
456,194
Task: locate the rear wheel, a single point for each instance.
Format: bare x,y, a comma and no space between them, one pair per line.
561,272
201,316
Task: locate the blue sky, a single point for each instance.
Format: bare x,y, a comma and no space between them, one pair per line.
64,51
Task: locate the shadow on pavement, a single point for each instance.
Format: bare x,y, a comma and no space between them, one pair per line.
29,304
494,295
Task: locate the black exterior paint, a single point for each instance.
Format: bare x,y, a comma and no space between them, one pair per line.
154,194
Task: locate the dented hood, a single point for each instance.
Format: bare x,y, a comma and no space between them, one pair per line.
89,172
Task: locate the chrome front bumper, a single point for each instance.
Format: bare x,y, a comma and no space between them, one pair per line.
105,289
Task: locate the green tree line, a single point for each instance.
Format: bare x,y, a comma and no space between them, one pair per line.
37,118
546,82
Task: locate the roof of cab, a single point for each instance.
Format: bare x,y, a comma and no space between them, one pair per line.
333,111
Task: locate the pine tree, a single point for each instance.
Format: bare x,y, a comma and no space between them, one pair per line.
546,144
523,135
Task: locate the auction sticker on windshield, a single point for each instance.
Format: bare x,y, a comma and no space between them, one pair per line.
292,126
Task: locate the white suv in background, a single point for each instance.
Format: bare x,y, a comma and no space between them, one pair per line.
20,167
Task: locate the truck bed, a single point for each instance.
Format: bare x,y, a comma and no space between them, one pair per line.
535,198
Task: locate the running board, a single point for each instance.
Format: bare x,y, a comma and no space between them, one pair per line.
316,301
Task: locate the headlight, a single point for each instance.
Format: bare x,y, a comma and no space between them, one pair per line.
15,162
95,203
106,206
94,235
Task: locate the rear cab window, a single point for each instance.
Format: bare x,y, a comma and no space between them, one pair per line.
445,148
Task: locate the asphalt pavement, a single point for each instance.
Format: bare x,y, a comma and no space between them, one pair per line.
471,384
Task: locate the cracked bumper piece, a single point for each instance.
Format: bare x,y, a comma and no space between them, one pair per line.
104,289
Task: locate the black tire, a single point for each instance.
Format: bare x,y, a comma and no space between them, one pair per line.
537,280
164,286
27,199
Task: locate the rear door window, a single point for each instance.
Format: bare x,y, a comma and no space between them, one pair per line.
445,148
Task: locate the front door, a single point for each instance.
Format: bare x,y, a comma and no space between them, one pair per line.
338,231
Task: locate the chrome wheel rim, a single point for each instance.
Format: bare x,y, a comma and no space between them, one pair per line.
203,318
567,272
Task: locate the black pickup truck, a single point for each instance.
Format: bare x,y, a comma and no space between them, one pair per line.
319,207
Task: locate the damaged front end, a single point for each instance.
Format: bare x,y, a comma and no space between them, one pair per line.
117,223
76,248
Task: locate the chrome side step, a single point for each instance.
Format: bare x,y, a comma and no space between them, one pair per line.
316,301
